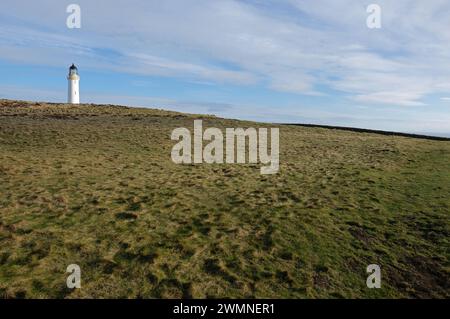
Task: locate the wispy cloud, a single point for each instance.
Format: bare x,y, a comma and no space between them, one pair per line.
297,50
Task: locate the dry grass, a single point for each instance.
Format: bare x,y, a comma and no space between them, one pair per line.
95,186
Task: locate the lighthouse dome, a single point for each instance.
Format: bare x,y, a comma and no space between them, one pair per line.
73,70
73,73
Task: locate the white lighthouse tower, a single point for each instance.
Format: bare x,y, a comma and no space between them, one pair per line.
74,85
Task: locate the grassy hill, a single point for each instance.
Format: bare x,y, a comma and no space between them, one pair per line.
95,186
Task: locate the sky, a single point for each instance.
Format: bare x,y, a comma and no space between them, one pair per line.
283,61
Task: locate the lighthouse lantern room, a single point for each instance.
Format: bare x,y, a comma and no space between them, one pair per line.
74,85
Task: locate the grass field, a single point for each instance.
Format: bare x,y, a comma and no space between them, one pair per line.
95,186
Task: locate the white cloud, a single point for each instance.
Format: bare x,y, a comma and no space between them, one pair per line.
156,65
393,97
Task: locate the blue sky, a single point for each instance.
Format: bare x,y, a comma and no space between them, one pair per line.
271,61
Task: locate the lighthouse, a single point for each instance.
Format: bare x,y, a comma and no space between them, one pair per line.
74,86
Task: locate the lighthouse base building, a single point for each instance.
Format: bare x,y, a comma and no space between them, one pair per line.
74,86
